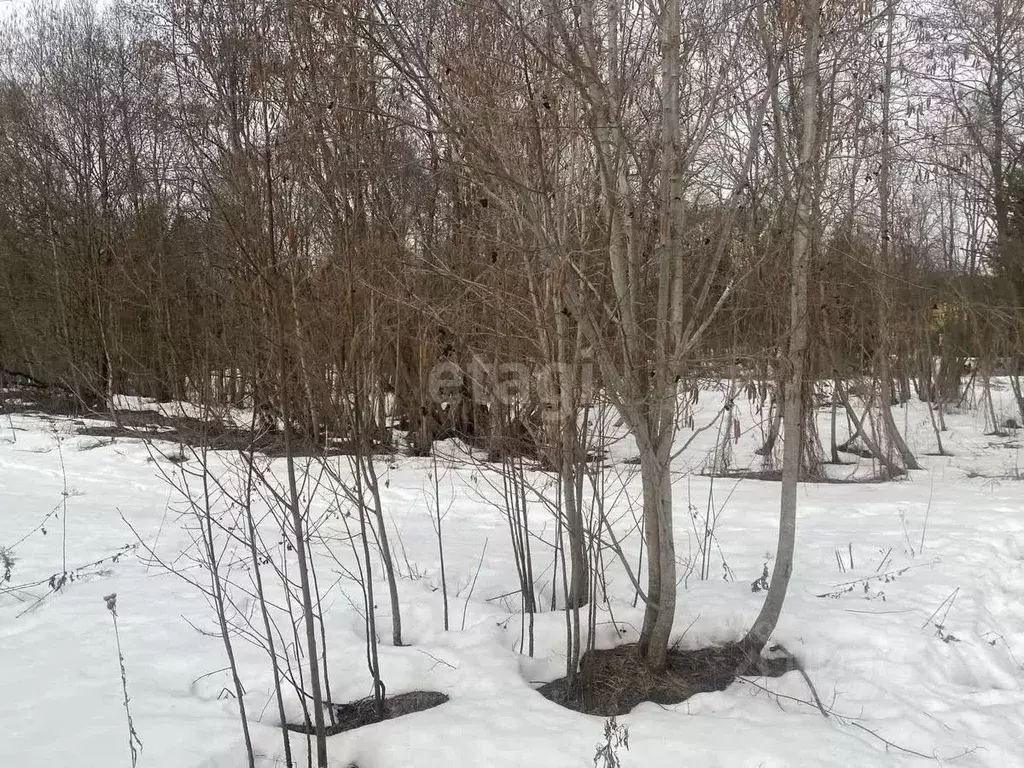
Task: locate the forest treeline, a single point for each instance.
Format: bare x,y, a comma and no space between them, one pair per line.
371,188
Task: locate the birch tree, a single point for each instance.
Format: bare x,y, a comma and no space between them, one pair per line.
805,230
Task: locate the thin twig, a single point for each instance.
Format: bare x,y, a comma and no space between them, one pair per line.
950,598
472,586
890,743
927,512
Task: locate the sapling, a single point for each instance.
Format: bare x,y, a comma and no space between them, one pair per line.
134,743
436,520
6,564
247,514
616,737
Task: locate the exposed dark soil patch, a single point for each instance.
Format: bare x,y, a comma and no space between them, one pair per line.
20,396
364,712
613,682
855,450
775,476
214,434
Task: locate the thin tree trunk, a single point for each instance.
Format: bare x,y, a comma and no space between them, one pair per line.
659,614
298,525
1018,395
261,599
308,610
768,448
883,366
833,444
793,404
372,482
217,591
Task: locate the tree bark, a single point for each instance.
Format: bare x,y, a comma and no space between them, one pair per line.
793,398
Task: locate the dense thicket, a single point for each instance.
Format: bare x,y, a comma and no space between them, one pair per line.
410,182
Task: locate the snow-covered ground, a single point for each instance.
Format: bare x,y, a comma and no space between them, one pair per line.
926,654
